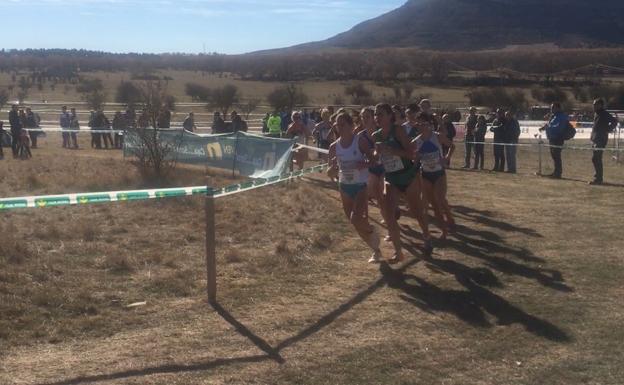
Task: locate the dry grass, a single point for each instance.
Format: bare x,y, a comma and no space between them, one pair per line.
528,291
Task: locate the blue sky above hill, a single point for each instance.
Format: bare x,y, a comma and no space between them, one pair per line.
189,26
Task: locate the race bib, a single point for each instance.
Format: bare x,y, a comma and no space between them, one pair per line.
430,162
348,176
392,163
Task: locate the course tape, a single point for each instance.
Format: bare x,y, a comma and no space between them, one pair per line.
544,144
137,195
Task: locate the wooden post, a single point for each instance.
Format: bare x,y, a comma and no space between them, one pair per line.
211,258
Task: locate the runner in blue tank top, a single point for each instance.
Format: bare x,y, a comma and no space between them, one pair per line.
428,150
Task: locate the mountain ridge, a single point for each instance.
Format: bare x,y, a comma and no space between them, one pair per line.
484,24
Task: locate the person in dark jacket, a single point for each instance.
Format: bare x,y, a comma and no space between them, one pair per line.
238,124
499,128
189,122
16,128
1,140
604,123
469,138
64,122
512,136
218,124
120,123
32,122
479,138
74,126
555,130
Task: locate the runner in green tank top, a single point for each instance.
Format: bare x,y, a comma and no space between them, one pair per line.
394,149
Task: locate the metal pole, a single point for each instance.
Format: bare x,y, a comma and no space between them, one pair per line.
211,258
540,143
235,153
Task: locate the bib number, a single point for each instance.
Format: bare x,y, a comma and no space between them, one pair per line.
392,163
347,176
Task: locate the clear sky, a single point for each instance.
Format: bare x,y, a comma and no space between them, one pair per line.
156,26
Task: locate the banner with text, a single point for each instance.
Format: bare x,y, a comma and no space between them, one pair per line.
251,155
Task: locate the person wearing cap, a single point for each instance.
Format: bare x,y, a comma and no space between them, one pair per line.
471,125
604,123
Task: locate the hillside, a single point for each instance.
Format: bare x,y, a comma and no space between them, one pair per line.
469,24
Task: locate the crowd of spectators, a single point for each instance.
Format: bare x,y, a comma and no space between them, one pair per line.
319,128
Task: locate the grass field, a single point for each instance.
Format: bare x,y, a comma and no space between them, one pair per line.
527,291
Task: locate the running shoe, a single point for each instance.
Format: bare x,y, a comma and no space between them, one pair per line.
376,257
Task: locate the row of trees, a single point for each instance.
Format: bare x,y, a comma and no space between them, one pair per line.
389,64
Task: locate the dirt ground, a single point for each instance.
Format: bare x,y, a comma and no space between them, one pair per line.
526,291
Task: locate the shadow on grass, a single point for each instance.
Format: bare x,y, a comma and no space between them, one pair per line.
486,217
271,354
470,305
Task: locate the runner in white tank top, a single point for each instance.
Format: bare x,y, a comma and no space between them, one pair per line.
350,158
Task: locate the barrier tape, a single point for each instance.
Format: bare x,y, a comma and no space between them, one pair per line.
321,150
137,195
544,144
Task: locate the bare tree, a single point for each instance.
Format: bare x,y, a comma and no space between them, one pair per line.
287,97
155,151
224,98
248,107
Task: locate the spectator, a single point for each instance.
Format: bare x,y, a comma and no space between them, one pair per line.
274,125
96,139
32,122
164,118
448,130
120,123
471,125
74,126
130,117
238,124
64,121
189,122
16,128
265,123
512,138
218,124
479,138
105,125
144,120
1,140
604,123
555,130
286,120
499,128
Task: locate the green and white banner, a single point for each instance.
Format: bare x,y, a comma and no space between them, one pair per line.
136,195
251,155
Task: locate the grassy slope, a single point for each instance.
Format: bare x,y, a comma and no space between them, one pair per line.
527,292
